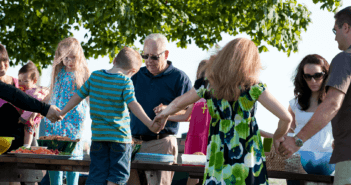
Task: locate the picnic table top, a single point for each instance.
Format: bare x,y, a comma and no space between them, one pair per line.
194,171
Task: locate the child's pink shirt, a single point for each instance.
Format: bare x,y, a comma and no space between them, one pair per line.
38,93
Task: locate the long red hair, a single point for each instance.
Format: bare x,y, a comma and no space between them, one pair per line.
236,67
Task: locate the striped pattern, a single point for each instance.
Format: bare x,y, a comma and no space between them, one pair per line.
109,96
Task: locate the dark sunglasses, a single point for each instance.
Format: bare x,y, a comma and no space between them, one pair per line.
155,57
316,76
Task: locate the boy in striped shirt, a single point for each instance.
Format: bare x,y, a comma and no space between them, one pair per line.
111,93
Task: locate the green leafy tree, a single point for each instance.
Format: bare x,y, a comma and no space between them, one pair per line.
31,29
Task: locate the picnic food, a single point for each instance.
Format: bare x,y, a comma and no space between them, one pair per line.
36,151
59,138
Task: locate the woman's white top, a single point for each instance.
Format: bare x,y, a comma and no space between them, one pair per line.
320,142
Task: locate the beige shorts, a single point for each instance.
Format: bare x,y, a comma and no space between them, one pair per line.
342,173
167,145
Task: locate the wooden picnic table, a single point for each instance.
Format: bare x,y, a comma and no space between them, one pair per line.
12,168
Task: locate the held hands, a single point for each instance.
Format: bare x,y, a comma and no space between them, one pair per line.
277,142
54,114
161,120
31,119
287,148
154,127
159,108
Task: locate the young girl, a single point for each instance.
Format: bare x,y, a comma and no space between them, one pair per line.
234,152
27,77
69,72
197,114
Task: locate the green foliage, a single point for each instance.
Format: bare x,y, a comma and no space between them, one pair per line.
31,29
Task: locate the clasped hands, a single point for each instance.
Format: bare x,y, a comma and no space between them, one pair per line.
54,114
160,120
285,146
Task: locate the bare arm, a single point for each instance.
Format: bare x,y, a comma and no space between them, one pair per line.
182,117
272,105
293,123
176,105
139,112
74,101
266,134
162,107
323,115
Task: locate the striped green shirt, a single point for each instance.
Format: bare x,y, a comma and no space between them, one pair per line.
109,96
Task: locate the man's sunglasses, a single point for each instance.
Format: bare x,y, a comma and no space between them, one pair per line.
155,57
316,76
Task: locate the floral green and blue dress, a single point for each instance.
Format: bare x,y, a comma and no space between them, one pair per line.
235,152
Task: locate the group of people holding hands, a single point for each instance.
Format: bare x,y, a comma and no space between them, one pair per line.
129,102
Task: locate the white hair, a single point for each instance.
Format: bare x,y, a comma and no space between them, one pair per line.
156,37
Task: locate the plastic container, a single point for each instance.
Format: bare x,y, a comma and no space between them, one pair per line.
5,143
190,159
154,158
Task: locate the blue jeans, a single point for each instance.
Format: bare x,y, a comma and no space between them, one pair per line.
110,161
56,178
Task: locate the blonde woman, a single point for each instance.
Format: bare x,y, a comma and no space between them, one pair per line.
234,152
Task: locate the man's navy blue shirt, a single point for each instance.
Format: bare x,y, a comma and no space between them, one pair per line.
151,91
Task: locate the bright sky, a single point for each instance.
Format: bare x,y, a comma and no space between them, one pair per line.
278,68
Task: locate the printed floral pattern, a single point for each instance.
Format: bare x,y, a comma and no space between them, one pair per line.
72,124
235,153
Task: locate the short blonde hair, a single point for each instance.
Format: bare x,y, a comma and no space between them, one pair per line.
236,67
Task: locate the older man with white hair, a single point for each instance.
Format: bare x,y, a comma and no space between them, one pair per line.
158,82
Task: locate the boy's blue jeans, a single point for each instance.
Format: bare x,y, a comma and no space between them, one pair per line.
110,161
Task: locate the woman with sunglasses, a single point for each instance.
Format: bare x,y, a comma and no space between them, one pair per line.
309,82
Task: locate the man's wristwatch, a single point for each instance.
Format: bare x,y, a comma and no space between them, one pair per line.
298,141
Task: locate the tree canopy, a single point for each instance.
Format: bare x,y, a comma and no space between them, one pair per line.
32,29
